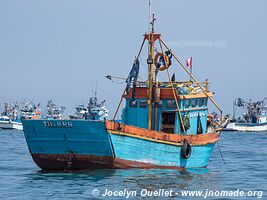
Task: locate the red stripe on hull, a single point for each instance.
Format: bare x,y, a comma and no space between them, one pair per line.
78,162
125,164
71,161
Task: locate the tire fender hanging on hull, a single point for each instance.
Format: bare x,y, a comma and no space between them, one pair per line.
186,150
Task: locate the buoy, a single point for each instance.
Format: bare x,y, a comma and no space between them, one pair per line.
163,60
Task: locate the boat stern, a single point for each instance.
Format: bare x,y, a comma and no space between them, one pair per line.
68,144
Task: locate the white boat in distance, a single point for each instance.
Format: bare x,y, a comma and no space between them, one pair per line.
7,123
10,118
254,119
13,112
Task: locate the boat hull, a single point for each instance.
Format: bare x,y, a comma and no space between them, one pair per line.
11,125
96,144
68,144
243,127
66,161
141,151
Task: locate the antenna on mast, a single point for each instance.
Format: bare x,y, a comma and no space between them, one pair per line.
149,16
95,90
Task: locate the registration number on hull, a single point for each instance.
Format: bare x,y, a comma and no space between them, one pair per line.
57,124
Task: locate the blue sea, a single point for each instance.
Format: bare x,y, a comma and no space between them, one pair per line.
245,171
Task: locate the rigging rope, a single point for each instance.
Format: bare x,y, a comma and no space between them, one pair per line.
220,152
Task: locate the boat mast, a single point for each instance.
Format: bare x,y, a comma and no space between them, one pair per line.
234,108
150,62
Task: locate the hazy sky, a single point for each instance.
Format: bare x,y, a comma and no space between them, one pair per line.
60,49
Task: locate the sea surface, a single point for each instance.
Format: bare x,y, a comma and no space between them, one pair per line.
245,170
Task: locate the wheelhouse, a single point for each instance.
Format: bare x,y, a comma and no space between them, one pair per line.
191,102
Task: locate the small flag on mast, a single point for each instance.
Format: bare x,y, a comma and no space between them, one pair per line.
189,62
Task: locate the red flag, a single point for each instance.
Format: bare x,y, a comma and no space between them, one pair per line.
189,62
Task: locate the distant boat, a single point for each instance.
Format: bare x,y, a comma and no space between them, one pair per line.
54,112
30,111
253,120
13,112
96,110
163,125
10,118
8,123
93,111
81,112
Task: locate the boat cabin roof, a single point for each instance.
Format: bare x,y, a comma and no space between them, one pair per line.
167,92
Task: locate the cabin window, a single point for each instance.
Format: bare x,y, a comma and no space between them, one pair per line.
133,103
205,102
158,105
200,102
143,104
168,122
187,103
194,103
171,104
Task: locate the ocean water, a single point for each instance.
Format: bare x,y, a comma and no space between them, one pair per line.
245,170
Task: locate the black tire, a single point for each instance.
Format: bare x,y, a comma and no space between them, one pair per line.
186,150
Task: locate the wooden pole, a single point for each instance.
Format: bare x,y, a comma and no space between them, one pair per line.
150,75
150,81
119,105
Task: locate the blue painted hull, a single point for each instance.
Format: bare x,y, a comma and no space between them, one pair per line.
82,144
158,154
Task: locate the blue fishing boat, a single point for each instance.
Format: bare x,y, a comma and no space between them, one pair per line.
164,124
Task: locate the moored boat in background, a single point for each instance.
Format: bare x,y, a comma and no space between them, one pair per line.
54,112
254,118
10,118
28,110
94,111
81,112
